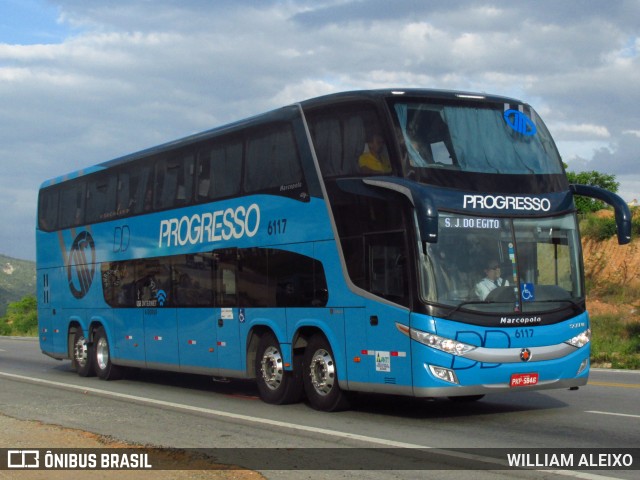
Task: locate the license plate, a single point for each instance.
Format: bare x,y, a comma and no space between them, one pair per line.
523,379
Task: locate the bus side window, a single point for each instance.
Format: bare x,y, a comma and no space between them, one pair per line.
254,287
299,280
387,266
101,198
135,190
174,180
219,170
71,211
340,137
327,140
225,265
192,280
48,209
272,160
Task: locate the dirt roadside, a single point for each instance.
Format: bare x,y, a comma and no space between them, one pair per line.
24,434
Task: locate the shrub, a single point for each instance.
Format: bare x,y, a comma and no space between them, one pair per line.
598,228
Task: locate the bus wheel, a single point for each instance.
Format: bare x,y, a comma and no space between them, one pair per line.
82,359
321,377
275,384
102,356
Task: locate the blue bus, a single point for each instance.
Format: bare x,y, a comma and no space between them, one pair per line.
409,242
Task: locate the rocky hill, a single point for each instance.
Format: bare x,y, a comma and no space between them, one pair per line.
17,280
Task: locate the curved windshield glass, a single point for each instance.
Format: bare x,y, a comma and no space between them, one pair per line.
503,265
482,138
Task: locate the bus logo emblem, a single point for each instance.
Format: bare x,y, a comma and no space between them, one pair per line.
520,122
525,354
81,265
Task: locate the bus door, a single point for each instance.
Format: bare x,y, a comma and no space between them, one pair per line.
48,310
193,289
228,316
197,338
155,299
384,356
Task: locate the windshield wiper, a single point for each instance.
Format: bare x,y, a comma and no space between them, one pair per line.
468,302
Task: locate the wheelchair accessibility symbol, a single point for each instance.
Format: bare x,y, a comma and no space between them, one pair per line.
527,292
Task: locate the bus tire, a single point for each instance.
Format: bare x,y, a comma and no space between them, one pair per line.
102,357
321,377
275,384
82,355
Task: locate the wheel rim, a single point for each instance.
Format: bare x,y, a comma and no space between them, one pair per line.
102,353
322,372
271,368
80,352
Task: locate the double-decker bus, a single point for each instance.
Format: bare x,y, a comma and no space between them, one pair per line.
409,242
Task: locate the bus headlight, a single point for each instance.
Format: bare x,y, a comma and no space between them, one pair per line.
443,344
581,339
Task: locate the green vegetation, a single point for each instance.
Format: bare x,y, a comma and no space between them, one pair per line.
603,227
615,342
17,280
596,179
21,318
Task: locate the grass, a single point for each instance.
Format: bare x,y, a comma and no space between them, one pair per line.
601,227
615,342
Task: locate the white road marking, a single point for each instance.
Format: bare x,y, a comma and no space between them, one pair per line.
292,426
613,413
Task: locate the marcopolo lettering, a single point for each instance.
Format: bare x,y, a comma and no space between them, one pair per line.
507,202
520,320
220,225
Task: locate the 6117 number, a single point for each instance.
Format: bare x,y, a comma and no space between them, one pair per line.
277,227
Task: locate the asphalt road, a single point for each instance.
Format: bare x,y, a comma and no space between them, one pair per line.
186,411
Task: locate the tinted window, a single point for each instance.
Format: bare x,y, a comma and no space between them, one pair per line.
223,278
71,211
119,283
277,278
253,278
101,198
193,280
343,140
48,209
135,190
174,181
219,171
272,160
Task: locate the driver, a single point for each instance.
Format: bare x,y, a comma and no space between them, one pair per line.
491,280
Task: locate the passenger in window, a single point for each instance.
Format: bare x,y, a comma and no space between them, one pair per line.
491,280
374,158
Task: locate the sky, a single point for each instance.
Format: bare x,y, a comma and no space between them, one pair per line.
82,81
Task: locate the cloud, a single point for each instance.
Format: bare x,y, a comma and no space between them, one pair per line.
129,75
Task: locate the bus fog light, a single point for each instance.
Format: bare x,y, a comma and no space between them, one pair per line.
583,365
444,374
581,339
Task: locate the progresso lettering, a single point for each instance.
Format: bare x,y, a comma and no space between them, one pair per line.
221,225
507,202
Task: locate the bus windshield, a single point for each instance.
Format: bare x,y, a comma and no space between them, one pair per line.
480,138
504,265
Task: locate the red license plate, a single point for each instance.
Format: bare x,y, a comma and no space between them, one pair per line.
523,379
